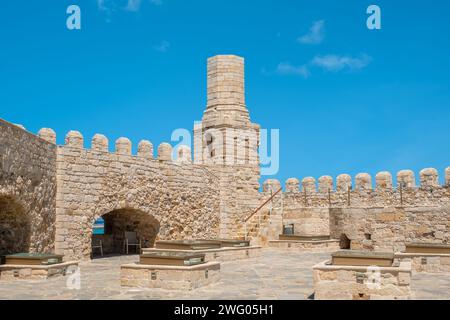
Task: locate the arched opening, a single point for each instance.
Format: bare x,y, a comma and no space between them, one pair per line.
109,232
345,243
14,227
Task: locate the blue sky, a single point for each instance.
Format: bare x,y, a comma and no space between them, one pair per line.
346,99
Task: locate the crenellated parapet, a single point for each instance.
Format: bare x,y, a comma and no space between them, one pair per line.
363,181
123,147
184,155
292,185
309,185
429,178
344,182
364,193
48,135
325,184
271,185
145,149
383,181
100,143
447,176
406,179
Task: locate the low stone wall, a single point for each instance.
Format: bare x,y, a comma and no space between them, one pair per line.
35,272
306,221
361,283
305,246
388,229
169,277
426,262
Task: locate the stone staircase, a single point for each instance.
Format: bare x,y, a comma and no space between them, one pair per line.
266,223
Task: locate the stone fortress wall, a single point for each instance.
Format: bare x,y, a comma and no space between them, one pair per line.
182,198
27,191
383,217
51,195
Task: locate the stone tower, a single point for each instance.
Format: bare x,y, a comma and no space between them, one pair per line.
227,141
226,136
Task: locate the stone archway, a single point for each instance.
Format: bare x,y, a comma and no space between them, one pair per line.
14,227
116,222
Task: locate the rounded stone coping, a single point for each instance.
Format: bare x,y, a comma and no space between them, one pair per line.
418,255
144,250
38,267
405,266
205,266
305,241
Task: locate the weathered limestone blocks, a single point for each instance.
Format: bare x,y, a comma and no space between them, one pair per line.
429,178
383,181
226,81
27,190
48,135
309,185
165,152
36,272
426,262
145,149
447,176
344,182
123,146
292,185
74,139
406,179
169,277
271,185
325,184
100,143
307,221
333,282
305,246
184,154
363,181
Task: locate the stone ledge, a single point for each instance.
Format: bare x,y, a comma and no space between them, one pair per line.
204,266
34,272
405,266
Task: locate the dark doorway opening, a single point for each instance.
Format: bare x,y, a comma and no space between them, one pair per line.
117,227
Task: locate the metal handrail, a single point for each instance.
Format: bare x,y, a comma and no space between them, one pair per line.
262,206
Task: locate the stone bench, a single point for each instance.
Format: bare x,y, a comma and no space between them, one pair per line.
427,257
362,258
35,266
10,272
169,277
421,247
223,254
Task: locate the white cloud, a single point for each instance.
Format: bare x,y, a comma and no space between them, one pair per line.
109,6
315,35
337,63
286,68
133,5
163,46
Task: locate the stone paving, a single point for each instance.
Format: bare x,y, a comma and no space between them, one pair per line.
274,275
